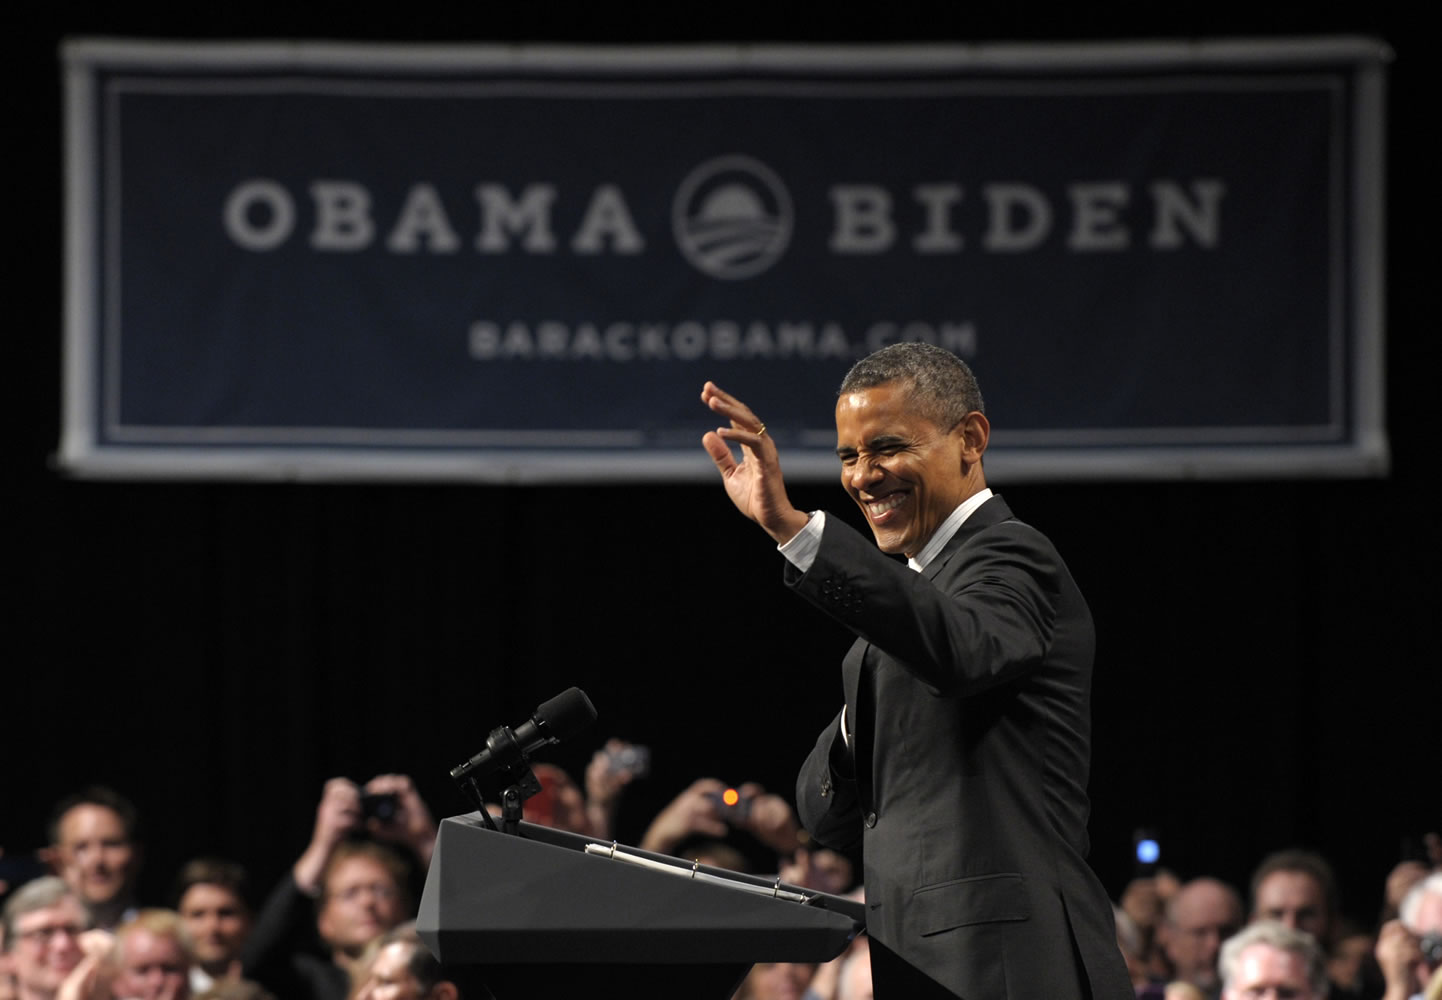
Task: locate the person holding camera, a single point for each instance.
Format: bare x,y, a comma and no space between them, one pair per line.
358,881
1409,949
710,809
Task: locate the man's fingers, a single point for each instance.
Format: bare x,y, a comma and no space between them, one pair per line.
719,451
730,407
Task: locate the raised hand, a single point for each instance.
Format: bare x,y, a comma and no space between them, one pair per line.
754,484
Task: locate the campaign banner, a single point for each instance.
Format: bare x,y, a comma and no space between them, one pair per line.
521,264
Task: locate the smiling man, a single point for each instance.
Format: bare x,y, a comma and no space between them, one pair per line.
960,757
95,848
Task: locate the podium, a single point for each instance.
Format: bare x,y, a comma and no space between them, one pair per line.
534,915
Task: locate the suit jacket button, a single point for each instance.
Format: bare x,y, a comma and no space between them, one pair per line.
871,819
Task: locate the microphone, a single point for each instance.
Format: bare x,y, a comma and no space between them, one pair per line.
558,719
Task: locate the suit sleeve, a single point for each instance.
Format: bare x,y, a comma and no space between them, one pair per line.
826,799
986,620
284,927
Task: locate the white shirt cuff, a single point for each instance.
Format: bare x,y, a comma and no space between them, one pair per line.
801,550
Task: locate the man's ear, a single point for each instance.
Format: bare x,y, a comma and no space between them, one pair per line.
445,990
975,432
51,858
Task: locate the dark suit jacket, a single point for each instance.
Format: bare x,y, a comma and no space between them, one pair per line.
968,694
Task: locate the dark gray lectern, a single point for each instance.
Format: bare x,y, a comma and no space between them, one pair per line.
534,915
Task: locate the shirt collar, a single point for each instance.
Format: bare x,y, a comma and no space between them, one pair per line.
948,528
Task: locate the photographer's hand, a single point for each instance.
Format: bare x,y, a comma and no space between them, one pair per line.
604,784
770,819
1397,954
693,811
338,813
412,824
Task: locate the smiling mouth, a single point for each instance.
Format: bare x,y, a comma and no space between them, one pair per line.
880,508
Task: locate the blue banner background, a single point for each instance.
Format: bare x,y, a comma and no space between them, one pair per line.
1217,350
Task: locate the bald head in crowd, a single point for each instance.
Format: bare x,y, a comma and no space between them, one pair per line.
1203,914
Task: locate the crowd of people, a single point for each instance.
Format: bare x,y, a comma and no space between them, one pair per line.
339,924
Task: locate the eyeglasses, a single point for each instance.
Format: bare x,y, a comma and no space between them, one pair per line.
351,893
42,935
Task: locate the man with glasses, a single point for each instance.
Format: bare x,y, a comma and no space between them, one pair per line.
360,888
43,923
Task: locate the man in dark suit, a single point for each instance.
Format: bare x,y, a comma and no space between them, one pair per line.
960,758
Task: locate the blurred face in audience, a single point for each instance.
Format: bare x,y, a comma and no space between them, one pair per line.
218,923
1265,971
777,981
152,967
1294,899
390,978
1201,917
46,946
362,901
96,856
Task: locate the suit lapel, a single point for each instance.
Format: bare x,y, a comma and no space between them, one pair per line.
994,511
858,670
858,676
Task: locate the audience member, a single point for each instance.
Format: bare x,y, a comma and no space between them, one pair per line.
775,981
818,868
615,766
402,968
1179,990
210,898
1351,967
1269,959
94,846
152,958
826,981
1400,881
1144,901
559,803
361,888
1409,949
700,811
1298,890
854,980
1129,941
1203,914
43,921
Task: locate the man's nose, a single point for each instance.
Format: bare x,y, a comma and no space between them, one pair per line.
865,472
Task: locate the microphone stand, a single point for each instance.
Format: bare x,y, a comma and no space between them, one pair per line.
525,786
515,766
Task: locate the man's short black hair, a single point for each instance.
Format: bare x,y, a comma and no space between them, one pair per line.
941,385
211,871
97,795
